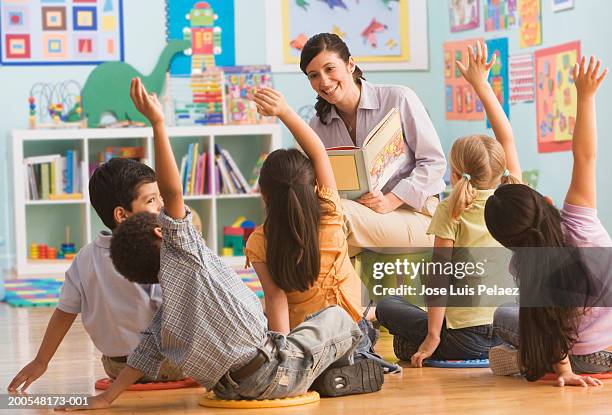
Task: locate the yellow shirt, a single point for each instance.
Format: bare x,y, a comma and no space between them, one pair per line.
337,283
469,230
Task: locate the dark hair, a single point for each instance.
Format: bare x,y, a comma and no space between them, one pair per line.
551,295
332,43
115,183
293,213
134,248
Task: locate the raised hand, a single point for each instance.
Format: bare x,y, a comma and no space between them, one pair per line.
476,72
270,102
588,79
147,104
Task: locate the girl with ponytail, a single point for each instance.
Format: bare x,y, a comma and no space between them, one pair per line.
479,164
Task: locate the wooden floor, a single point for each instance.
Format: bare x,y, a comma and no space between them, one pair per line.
415,391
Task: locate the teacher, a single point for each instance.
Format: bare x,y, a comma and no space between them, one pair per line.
347,108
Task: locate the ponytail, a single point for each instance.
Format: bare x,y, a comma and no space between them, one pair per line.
462,196
507,178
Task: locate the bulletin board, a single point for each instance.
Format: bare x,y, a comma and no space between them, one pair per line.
60,32
556,96
462,103
381,34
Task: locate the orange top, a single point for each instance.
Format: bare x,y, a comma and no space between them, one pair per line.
337,283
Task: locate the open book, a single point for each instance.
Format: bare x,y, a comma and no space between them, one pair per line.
361,170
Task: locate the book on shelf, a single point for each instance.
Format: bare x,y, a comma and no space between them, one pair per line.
50,177
254,179
369,168
233,181
194,177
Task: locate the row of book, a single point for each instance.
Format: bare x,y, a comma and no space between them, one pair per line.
137,153
196,174
54,176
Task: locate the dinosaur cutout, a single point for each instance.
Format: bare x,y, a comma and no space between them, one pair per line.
369,33
108,85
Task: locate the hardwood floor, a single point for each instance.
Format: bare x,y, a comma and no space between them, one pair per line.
415,391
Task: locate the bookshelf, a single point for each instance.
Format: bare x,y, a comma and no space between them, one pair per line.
45,221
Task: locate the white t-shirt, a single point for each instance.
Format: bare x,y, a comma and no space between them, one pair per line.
114,310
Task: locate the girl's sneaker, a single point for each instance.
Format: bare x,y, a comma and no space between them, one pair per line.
365,376
503,360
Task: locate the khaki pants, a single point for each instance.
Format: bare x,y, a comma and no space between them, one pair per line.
399,231
167,371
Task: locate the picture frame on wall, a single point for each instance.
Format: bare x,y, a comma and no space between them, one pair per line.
560,5
463,14
380,35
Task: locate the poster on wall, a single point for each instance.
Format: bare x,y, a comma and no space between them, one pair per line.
556,96
530,28
498,76
60,32
521,78
381,34
462,103
210,27
464,14
500,14
560,5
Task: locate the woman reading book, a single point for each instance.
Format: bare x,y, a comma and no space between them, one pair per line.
347,109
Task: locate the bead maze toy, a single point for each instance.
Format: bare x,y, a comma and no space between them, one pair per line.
55,105
235,236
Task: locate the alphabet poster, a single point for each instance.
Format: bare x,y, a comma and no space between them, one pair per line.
462,103
556,96
60,32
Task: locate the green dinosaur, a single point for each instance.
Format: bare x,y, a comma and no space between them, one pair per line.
107,87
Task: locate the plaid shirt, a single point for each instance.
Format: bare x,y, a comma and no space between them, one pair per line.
209,321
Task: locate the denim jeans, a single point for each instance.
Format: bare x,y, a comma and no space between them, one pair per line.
410,323
506,326
327,338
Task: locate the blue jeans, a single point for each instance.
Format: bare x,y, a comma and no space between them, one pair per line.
409,322
506,326
327,338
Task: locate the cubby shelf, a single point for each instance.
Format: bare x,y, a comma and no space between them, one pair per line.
244,142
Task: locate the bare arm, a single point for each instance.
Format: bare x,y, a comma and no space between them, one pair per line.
271,102
58,326
477,73
168,177
277,308
582,190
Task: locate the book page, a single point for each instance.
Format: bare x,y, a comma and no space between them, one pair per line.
345,172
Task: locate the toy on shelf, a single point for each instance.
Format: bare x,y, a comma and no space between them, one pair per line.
43,251
235,236
241,82
198,99
55,105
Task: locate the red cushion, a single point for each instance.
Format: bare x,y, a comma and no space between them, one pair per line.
105,383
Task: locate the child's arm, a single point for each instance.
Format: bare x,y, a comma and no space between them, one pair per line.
584,141
476,73
270,102
277,307
58,326
565,376
435,314
168,177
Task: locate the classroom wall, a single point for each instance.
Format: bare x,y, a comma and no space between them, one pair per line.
145,34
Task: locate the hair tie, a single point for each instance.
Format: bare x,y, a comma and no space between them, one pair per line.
506,173
466,176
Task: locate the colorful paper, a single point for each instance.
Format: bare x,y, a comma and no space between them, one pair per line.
522,78
500,14
498,76
464,14
47,32
530,30
462,103
556,96
560,5
241,82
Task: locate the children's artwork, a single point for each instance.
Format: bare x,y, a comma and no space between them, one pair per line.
560,5
464,14
241,82
522,78
381,34
498,76
530,31
209,26
500,14
462,103
556,96
47,32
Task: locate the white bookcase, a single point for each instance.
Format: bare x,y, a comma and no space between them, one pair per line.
44,221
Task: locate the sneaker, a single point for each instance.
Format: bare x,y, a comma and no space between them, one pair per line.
365,376
503,360
402,349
